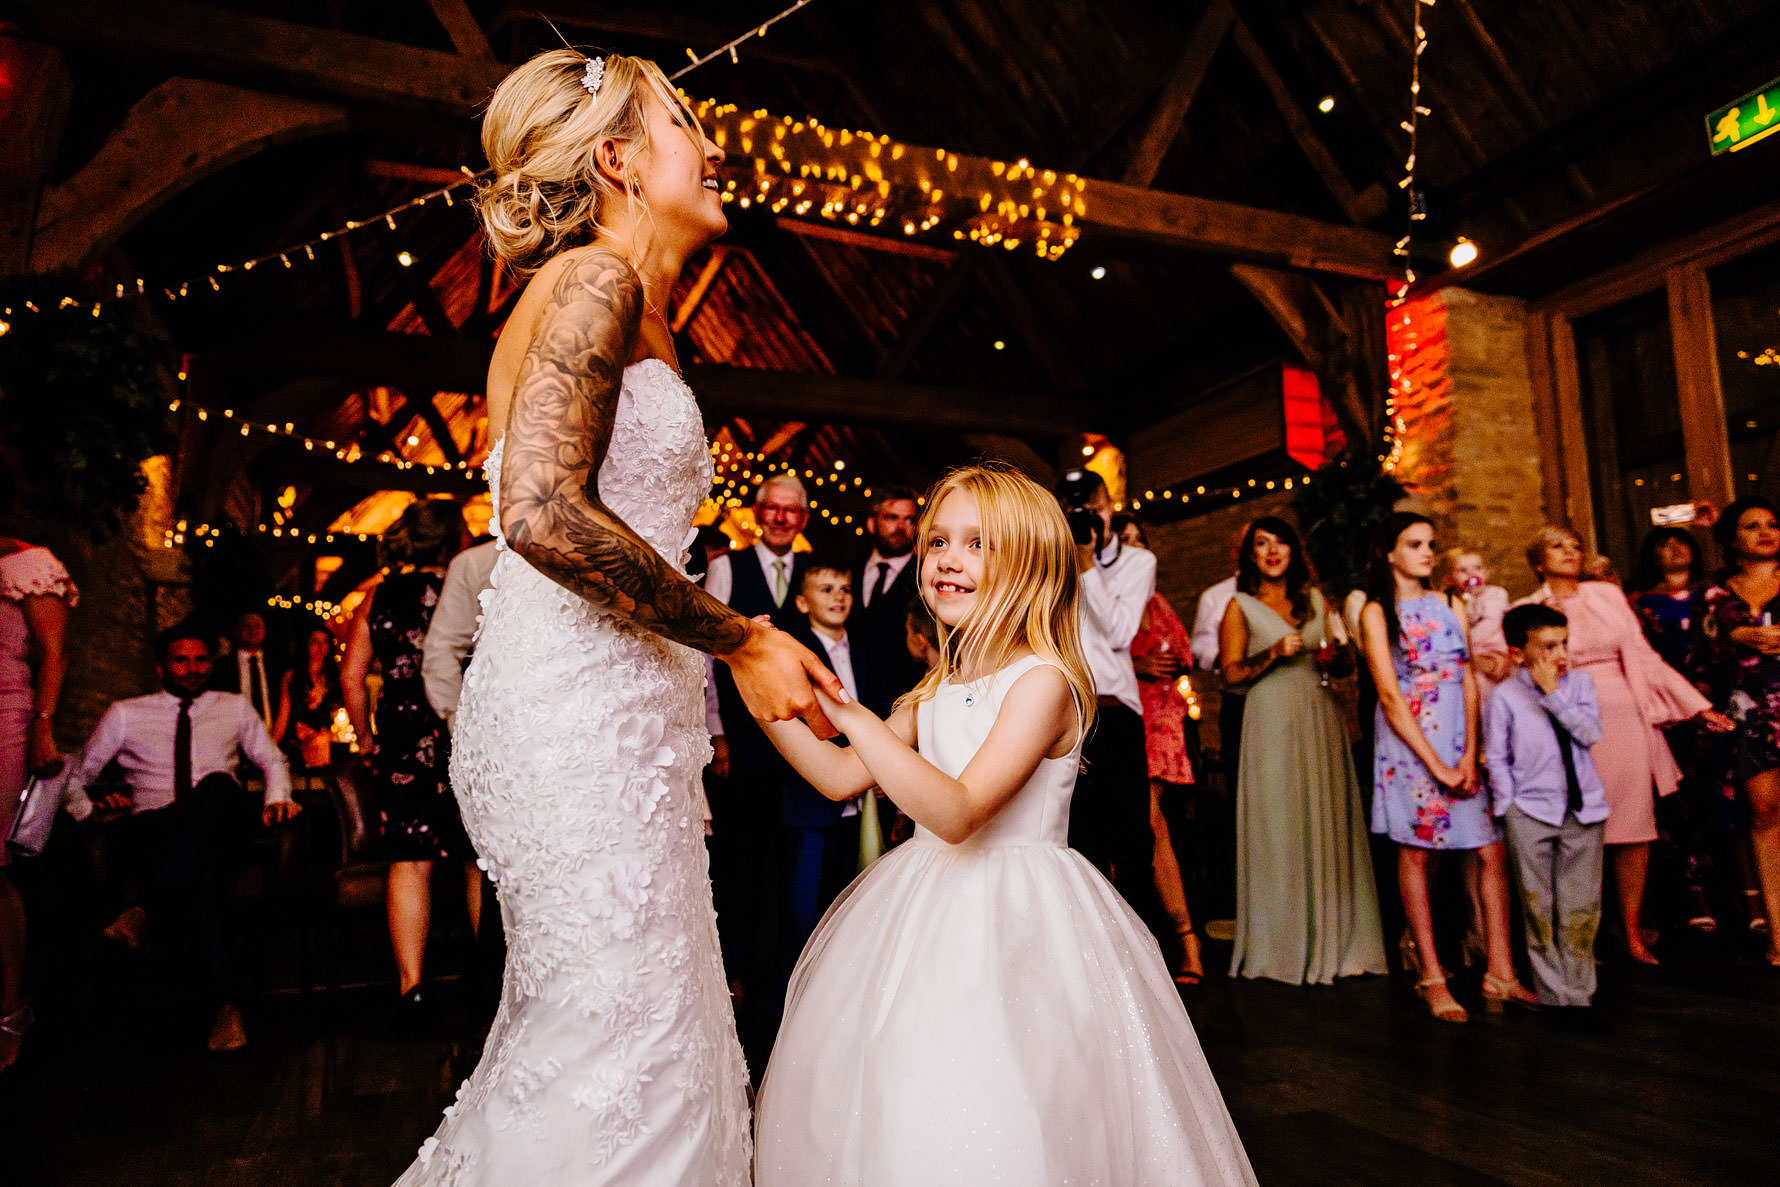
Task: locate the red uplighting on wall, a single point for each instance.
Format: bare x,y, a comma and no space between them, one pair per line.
1313,435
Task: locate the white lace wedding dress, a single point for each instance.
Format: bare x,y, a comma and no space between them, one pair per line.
579,744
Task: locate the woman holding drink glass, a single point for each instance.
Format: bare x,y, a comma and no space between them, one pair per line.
1305,906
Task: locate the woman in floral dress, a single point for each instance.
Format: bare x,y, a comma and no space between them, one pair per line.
1738,651
1424,770
410,758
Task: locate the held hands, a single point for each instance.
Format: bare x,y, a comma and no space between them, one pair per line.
719,767
778,679
1460,781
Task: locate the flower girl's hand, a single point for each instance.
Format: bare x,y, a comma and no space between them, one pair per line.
778,679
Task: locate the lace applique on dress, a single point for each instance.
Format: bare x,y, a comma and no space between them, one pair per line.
579,745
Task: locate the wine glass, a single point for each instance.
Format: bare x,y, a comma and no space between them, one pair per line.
1326,651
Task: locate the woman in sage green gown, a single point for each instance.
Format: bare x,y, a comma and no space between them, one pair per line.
1306,908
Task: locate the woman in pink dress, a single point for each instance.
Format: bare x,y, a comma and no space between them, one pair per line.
1157,650
35,594
1637,692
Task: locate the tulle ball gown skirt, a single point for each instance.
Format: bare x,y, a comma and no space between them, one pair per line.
975,1015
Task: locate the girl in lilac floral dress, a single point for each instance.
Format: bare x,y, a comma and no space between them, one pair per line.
1408,803
1425,789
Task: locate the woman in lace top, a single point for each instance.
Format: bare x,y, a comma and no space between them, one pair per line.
35,596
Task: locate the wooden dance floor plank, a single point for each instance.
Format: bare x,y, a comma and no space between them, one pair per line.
1350,1084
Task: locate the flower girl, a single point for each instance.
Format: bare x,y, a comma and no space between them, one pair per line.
980,1006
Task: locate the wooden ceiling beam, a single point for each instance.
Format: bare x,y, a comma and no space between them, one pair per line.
417,362
1162,128
838,399
1227,229
707,276
463,29
1359,207
864,240
938,302
181,132
203,39
1322,336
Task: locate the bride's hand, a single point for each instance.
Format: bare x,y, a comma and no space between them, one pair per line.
777,677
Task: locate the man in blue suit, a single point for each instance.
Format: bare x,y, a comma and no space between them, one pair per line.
822,835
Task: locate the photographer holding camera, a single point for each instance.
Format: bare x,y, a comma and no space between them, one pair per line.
1110,824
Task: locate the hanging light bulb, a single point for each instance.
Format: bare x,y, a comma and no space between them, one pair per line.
1464,252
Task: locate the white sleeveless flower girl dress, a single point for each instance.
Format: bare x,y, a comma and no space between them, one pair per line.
991,1012
579,745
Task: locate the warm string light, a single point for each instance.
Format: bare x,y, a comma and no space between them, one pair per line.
1417,202
861,179
730,47
349,452
209,282
286,256
320,607
209,534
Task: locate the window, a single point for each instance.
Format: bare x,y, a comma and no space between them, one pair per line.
1632,417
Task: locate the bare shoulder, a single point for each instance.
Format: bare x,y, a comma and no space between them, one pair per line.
1042,698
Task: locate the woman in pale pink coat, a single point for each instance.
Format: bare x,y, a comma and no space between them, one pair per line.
1637,692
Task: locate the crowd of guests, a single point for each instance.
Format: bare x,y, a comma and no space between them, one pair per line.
1533,739
1550,741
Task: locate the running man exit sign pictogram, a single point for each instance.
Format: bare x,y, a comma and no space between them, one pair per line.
1738,125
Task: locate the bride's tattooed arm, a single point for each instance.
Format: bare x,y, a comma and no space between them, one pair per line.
557,435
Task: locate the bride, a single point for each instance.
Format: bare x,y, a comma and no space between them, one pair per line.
580,736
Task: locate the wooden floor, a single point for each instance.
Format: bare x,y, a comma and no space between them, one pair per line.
1350,1084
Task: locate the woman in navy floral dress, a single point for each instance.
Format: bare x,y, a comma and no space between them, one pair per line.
1425,781
410,759
1738,654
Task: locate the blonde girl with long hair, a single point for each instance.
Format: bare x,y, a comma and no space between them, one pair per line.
980,1005
580,734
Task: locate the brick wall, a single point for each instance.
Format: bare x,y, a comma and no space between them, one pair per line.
1498,496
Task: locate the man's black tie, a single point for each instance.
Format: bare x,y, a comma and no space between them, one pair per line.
257,693
1572,785
877,591
182,751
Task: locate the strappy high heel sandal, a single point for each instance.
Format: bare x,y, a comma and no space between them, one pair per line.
1498,995
1445,1011
1192,968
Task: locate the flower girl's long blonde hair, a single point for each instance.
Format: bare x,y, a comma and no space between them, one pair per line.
1027,598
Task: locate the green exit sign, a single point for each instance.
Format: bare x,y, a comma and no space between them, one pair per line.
1738,125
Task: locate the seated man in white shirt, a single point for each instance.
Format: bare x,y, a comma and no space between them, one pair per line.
1110,821
178,749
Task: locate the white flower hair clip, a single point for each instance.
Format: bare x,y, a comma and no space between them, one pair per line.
594,75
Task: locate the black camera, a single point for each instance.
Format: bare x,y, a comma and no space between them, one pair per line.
1074,492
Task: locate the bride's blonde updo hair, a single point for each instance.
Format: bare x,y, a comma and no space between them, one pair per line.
545,194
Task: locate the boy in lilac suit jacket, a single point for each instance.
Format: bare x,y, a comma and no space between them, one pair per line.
1538,727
